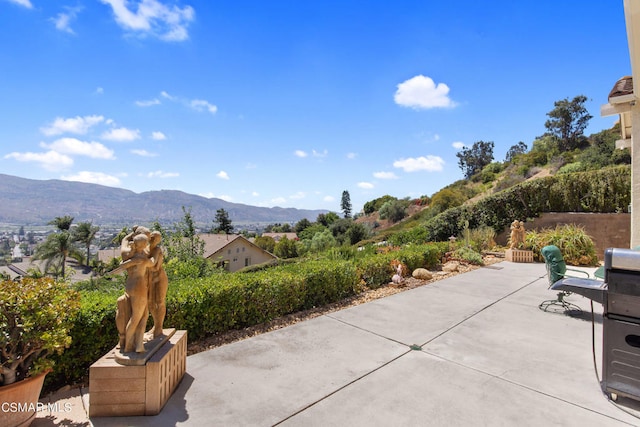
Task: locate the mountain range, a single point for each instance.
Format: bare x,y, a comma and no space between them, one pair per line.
36,202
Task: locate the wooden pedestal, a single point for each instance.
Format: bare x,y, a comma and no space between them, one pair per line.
518,255
117,390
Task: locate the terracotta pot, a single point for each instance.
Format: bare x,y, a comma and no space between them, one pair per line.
19,401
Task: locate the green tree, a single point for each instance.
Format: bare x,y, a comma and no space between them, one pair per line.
567,122
375,204
322,241
519,148
84,233
62,222
339,228
285,248
393,210
117,239
55,250
301,225
185,240
265,242
447,198
345,204
472,160
327,219
309,232
357,232
223,221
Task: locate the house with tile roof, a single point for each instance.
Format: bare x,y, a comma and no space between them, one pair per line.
278,236
233,251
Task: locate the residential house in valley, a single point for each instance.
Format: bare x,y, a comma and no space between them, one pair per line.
278,236
233,251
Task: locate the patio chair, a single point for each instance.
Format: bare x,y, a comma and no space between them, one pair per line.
557,270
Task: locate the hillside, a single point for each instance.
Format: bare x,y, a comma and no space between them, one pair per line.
36,202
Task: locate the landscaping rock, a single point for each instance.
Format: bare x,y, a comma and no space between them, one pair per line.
422,273
451,266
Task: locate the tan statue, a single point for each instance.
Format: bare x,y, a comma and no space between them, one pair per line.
516,240
158,284
132,312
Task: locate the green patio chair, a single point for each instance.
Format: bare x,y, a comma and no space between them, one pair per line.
557,270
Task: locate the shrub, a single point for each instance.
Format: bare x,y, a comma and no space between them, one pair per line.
467,254
576,245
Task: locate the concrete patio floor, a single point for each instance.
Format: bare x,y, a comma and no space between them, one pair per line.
473,349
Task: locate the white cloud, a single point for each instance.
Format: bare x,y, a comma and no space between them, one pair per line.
158,136
62,21
143,153
279,200
366,185
153,18
121,134
73,146
328,199
458,145
99,90
320,154
422,163
166,95
162,174
299,195
93,178
255,193
351,156
78,125
300,153
202,105
148,102
421,92
210,195
51,160
25,3
385,175
222,175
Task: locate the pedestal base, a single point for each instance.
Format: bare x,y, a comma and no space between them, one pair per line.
518,255
117,390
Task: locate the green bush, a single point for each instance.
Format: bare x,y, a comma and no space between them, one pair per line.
576,245
467,254
93,333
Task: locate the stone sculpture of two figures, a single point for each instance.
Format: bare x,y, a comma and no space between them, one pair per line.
145,289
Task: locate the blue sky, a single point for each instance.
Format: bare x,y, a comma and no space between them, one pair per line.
289,102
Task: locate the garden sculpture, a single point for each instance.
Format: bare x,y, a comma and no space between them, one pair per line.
516,240
145,288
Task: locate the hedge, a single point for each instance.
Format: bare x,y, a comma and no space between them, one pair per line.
224,302
602,191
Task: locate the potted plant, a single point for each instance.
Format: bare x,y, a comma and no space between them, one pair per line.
36,316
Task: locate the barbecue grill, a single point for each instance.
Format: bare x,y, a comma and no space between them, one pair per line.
620,296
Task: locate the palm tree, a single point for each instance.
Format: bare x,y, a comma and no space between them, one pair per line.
55,251
85,233
117,240
62,223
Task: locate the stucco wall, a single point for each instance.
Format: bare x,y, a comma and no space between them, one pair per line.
607,230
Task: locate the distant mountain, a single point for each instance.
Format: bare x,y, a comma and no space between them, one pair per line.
36,202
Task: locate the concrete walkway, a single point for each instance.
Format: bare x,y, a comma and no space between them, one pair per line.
471,350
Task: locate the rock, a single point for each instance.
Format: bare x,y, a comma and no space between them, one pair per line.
422,273
451,266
